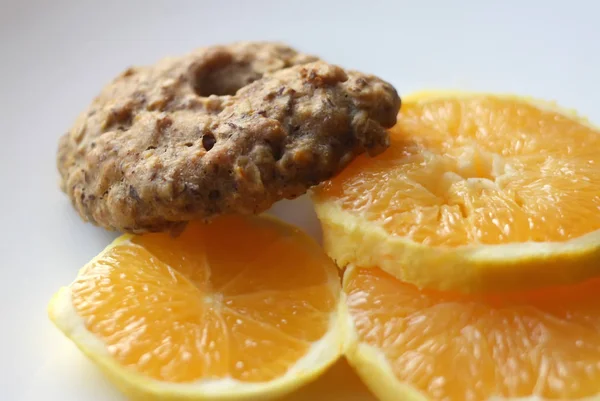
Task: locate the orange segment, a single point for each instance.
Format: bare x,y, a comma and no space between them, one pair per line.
448,346
244,299
480,169
466,174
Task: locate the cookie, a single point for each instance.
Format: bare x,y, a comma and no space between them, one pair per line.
221,130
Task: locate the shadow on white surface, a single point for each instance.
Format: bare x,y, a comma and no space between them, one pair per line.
299,212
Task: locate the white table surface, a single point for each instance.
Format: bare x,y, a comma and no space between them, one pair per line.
56,55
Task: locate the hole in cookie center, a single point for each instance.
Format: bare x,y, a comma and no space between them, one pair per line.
220,74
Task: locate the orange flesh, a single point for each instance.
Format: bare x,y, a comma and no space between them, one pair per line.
455,347
239,298
478,169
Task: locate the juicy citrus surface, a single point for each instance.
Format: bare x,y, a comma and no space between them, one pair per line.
239,298
477,169
460,347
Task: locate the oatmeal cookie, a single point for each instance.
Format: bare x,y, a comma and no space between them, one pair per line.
224,129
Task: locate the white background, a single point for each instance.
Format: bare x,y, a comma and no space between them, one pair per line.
56,55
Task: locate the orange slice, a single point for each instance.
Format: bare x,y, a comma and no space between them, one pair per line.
243,308
411,344
477,192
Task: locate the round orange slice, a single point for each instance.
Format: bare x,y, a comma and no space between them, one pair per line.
477,192
418,345
242,308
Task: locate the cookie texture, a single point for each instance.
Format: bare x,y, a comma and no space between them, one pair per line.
221,130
